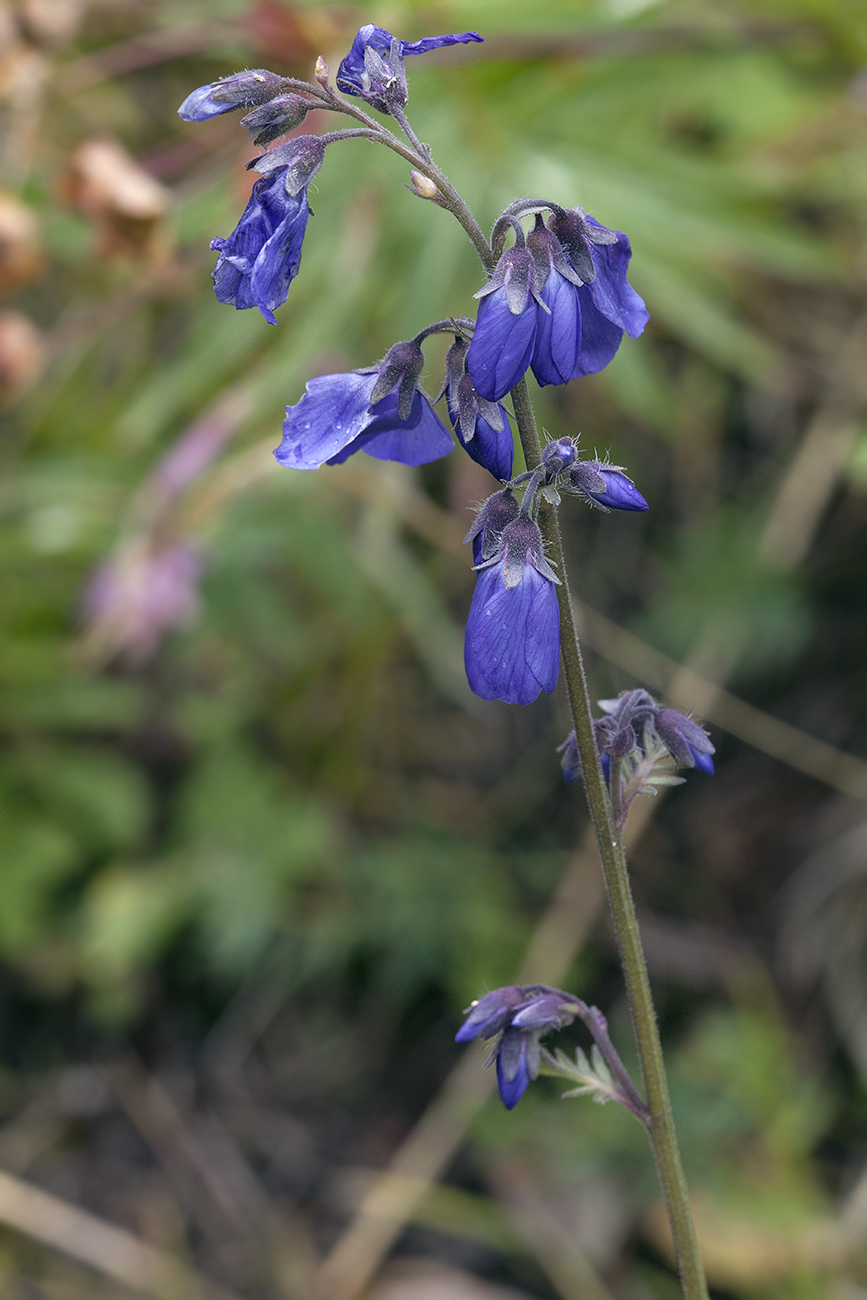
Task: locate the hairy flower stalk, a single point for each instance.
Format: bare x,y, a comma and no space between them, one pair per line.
557,301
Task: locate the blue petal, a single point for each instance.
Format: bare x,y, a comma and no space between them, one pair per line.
600,339
619,493
502,345
512,646
490,1014
330,416
280,258
558,336
703,762
495,451
612,294
416,441
512,1090
262,255
199,107
436,42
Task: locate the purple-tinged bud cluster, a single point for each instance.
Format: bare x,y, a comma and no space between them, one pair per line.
381,411
278,117
520,1016
374,70
641,737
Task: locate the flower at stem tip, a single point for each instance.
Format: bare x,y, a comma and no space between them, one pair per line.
374,70
520,1015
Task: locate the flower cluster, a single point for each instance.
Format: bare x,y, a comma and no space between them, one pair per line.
638,739
518,1017
557,303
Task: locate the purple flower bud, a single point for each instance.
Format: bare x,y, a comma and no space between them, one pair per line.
520,1015
558,456
607,486
373,69
240,90
276,118
685,740
491,1014
512,646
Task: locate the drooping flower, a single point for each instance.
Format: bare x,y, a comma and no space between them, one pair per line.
240,90
590,308
482,426
607,486
261,257
380,410
512,645
374,71
506,324
685,740
520,1015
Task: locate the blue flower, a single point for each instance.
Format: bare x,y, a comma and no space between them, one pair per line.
261,257
373,69
360,410
521,1015
607,486
512,646
581,269
482,426
241,90
506,323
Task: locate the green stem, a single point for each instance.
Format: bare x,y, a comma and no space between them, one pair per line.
663,1138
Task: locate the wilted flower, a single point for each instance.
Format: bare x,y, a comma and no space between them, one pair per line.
373,69
482,426
521,1015
360,410
512,645
240,90
261,257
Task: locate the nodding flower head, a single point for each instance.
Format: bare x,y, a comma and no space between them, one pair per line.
506,324
581,274
241,90
262,256
520,1016
482,426
380,410
374,69
512,645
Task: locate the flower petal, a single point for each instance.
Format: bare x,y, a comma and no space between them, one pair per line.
416,441
331,415
502,345
512,646
612,293
558,336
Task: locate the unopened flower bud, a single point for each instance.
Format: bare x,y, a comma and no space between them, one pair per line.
321,71
424,187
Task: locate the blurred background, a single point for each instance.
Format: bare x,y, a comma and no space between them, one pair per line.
259,845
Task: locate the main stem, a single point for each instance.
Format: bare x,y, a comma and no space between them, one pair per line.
660,1126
